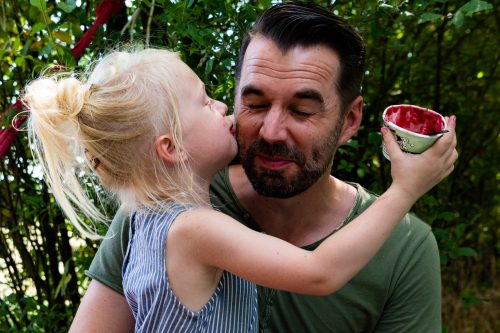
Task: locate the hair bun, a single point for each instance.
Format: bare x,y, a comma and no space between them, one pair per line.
56,99
71,95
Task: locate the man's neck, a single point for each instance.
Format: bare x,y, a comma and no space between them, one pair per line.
302,219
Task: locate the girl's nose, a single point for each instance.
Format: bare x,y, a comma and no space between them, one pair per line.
219,106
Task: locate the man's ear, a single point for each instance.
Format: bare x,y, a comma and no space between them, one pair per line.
166,149
352,121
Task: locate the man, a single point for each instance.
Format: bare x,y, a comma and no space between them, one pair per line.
298,99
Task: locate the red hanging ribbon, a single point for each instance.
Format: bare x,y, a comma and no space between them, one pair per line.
8,135
104,11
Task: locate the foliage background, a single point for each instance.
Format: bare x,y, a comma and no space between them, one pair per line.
440,54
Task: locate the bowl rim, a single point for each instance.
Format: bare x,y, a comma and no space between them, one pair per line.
404,130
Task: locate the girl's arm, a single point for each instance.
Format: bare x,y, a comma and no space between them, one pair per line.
219,241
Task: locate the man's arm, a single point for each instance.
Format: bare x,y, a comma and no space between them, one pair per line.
103,310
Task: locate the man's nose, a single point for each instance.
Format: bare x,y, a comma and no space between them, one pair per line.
273,127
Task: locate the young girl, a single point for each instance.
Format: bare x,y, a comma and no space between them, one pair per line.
144,124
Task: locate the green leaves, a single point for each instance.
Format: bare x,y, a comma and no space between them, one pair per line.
41,5
469,9
449,240
37,27
458,19
35,295
469,298
68,5
475,6
429,17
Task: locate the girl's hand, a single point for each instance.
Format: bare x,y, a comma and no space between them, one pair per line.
415,174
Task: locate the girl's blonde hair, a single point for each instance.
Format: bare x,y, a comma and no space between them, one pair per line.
108,121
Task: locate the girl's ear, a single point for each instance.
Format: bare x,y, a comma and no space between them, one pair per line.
166,149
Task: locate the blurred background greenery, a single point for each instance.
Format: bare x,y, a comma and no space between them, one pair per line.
440,54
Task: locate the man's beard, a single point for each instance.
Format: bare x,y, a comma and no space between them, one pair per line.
273,183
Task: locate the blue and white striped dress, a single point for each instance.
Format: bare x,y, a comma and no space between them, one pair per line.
232,308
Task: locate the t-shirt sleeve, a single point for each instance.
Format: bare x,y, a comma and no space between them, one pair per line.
414,304
106,267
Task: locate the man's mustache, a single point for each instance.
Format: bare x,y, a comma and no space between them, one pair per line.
276,150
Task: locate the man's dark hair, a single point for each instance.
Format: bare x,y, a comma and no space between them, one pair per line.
303,24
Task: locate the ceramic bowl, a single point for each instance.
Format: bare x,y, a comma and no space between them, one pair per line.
415,128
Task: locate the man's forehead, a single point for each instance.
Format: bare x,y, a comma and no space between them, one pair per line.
261,45
264,57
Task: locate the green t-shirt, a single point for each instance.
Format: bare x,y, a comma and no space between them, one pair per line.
398,291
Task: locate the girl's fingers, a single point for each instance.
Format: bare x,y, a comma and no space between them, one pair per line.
390,143
447,142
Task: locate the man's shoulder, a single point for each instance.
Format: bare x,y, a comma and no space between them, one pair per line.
106,266
410,248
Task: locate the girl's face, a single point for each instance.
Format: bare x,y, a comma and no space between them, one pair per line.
208,134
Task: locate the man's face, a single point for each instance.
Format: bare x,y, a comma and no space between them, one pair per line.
288,116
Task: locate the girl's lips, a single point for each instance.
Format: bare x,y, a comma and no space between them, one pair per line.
230,122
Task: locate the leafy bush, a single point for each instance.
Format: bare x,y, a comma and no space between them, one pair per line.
436,53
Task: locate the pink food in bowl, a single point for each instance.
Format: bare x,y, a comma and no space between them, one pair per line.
415,119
